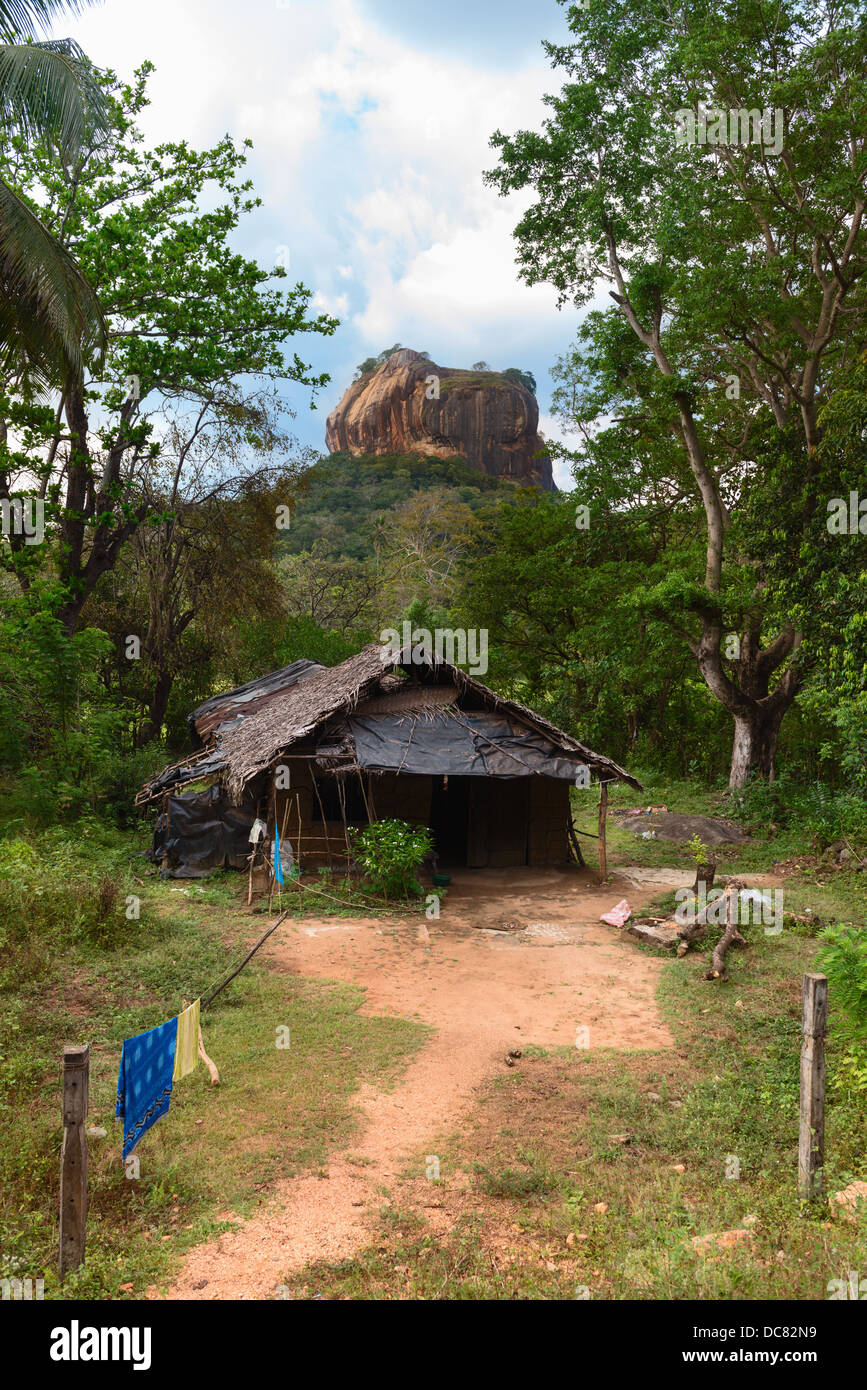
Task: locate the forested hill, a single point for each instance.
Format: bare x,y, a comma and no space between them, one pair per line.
343,503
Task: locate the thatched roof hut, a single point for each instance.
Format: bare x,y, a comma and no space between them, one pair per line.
420,737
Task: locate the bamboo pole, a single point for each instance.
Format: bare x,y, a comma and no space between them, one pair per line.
322,814
364,794
341,793
209,999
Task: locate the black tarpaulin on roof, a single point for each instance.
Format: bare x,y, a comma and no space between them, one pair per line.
176,776
473,743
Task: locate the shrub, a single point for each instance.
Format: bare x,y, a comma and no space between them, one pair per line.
52,894
391,854
824,814
843,957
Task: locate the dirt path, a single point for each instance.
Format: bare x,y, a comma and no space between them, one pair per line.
516,958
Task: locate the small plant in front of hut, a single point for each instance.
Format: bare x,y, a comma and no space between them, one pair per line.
391,854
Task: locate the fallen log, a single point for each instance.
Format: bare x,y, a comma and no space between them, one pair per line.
730,937
690,932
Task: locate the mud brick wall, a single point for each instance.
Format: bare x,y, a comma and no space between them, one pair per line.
548,842
314,850
393,798
401,797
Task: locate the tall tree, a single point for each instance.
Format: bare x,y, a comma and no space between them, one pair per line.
188,317
735,266
50,318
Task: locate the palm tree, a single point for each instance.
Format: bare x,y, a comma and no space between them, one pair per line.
50,317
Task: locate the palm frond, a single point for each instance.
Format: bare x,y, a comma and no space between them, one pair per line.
51,89
50,318
24,19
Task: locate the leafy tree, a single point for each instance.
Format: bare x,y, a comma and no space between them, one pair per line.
372,364
337,595
50,318
188,579
736,271
522,378
568,633
425,541
189,320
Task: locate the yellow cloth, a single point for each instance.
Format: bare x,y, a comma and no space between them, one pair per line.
187,1045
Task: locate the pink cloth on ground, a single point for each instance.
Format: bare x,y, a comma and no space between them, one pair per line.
619,915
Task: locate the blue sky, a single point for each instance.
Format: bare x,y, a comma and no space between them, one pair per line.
370,122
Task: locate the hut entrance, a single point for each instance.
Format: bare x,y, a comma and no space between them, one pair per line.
480,822
449,816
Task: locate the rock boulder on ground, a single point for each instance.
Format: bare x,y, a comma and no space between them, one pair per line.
669,825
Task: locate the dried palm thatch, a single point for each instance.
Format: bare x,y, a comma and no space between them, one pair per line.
256,744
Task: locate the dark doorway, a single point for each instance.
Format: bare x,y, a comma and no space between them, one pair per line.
449,810
329,792
480,823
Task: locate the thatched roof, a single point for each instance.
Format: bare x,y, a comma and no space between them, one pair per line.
245,748
256,744
247,699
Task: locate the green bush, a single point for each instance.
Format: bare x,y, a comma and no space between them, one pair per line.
52,894
842,956
825,815
391,854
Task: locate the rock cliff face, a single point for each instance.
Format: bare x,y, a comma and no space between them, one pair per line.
482,416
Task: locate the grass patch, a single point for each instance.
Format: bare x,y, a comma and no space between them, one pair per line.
592,1174
219,1150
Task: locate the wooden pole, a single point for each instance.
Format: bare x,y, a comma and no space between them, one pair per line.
811,1144
250,878
322,814
229,978
298,864
574,839
363,794
270,857
73,1157
342,797
603,813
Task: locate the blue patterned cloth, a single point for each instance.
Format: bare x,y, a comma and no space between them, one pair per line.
144,1081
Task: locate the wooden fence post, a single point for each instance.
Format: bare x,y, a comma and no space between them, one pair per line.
603,813
811,1144
73,1157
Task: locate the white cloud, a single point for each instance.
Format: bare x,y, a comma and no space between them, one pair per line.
337,305
368,156
463,289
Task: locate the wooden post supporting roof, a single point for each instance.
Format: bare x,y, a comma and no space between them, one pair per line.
603,815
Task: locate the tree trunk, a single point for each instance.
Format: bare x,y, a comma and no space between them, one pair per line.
159,702
755,743
744,690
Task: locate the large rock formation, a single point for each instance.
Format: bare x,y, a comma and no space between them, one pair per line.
483,417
